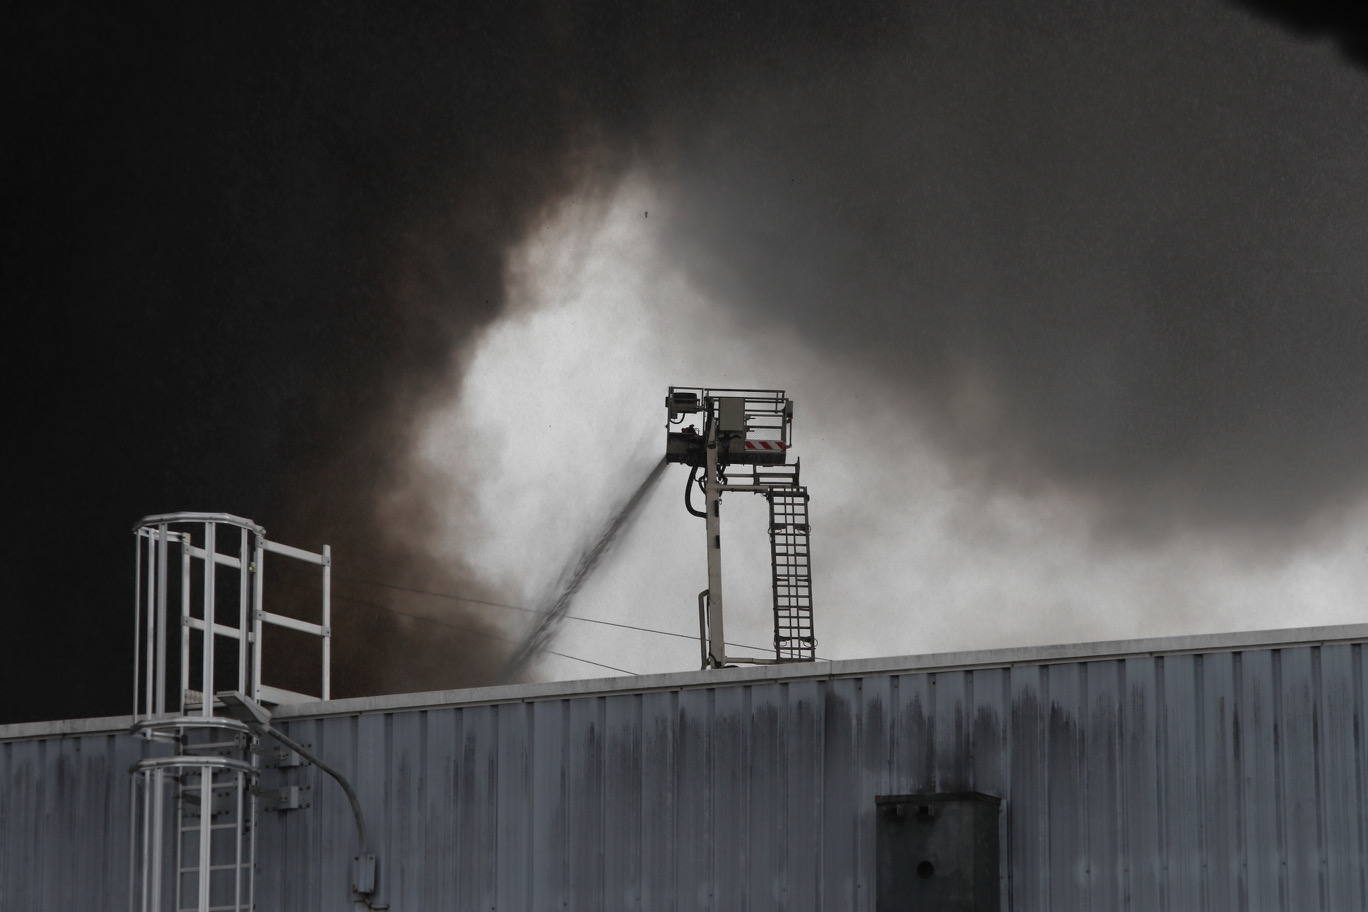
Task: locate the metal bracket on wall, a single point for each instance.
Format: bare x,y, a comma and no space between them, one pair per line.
286,798
282,758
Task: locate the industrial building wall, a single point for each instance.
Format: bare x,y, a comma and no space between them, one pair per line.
1225,780
64,818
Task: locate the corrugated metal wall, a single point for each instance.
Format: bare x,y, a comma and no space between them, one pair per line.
1218,781
64,819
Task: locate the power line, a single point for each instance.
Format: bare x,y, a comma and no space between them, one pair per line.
575,617
467,629
484,633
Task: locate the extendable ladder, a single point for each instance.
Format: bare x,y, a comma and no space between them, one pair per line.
792,573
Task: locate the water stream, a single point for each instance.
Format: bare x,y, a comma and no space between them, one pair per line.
540,636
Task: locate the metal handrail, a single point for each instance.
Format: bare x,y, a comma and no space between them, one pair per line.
190,721
241,522
180,761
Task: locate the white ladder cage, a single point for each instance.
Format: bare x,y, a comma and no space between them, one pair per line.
207,570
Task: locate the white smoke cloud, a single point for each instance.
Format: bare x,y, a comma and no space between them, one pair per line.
560,412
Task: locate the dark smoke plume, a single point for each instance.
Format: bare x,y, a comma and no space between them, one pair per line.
1115,250
244,248
1112,250
1344,21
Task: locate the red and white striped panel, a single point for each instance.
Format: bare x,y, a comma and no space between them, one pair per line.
772,445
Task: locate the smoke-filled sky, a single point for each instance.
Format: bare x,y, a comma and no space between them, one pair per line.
1071,298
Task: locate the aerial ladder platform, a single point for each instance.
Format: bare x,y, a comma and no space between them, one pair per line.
738,440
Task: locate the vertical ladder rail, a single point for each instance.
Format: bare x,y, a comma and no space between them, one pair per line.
206,835
182,815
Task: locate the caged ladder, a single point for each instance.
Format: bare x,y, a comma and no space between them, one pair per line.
199,624
790,561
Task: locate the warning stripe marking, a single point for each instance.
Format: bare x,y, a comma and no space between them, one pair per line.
766,445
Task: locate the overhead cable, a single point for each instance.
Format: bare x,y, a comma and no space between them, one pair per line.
466,628
574,617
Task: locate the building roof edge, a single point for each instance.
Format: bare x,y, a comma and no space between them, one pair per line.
843,668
